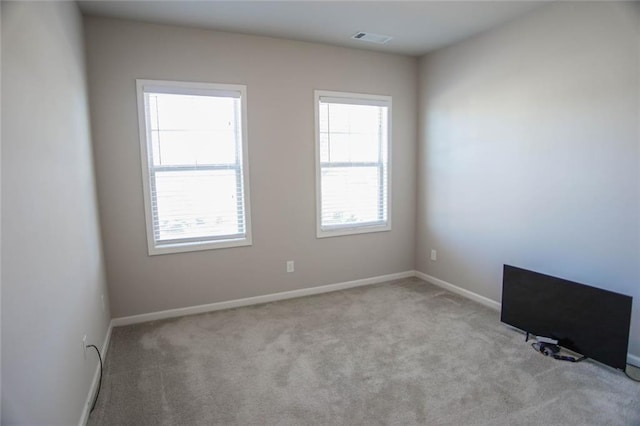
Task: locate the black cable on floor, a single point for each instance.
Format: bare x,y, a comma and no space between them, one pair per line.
100,382
553,351
537,347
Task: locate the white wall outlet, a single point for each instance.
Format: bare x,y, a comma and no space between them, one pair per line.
290,266
434,255
84,346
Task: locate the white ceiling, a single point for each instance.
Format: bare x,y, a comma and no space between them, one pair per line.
417,27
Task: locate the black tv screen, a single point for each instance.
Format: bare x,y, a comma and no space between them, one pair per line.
587,320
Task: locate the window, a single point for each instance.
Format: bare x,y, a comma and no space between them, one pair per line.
194,158
352,163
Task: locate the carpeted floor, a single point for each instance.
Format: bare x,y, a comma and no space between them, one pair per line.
398,353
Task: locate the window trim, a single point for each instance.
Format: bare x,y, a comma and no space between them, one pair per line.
182,87
353,99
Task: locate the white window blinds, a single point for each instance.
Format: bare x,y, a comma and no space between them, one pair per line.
352,163
194,160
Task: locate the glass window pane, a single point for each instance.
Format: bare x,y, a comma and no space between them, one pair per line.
324,147
339,116
353,147
182,112
190,147
195,204
192,130
350,195
353,133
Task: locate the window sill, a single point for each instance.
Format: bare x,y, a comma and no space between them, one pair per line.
197,246
342,231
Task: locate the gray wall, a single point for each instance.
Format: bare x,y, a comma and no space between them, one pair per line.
280,76
52,268
529,152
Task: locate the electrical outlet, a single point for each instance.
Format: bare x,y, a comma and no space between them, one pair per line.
84,346
290,266
434,255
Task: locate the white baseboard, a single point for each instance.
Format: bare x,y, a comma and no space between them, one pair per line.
199,309
96,376
459,290
633,360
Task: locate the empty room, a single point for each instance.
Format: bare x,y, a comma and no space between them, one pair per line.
320,213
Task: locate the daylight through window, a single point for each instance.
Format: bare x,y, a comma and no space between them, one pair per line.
352,163
194,158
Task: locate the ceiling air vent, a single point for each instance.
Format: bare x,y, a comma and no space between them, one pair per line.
371,38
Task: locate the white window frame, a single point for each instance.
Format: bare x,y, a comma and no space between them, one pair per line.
357,99
186,88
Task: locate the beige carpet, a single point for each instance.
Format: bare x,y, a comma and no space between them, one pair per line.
399,353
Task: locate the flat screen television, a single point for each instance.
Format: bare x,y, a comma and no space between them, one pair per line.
587,320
